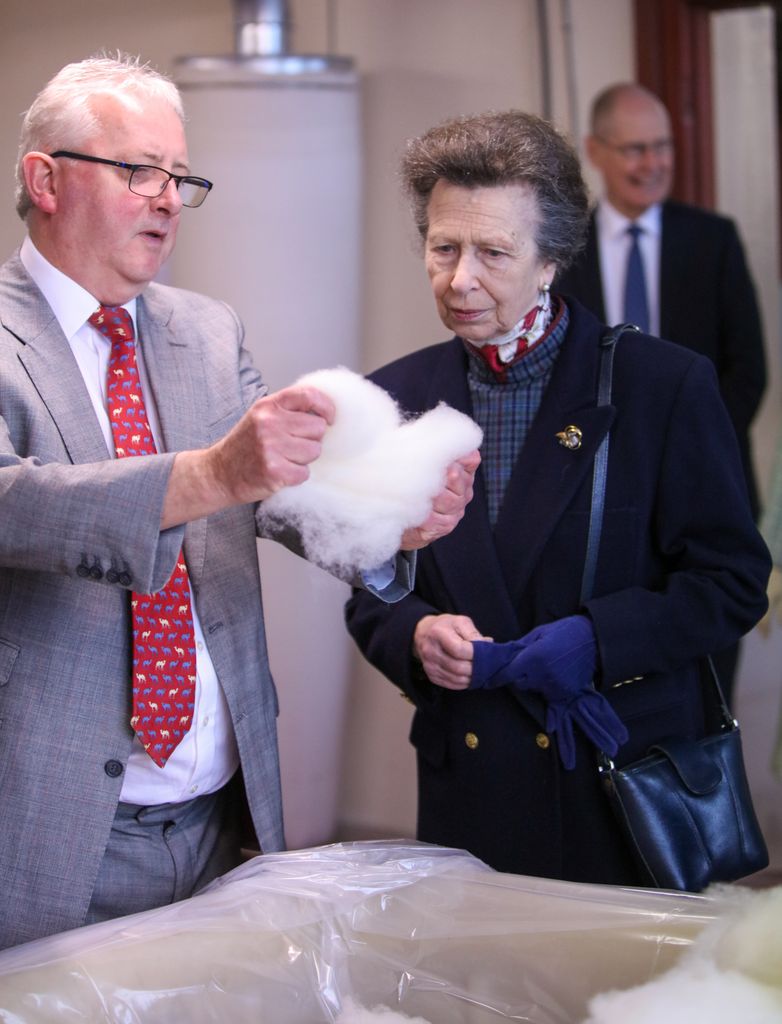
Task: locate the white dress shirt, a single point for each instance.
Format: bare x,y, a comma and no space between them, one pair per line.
613,246
207,756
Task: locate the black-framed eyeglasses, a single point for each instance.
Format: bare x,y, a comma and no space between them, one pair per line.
146,180
638,150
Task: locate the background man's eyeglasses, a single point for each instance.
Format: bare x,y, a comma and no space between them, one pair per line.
146,180
638,150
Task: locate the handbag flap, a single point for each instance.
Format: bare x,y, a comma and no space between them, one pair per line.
699,773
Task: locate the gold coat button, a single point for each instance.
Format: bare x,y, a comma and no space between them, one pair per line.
471,740
543,741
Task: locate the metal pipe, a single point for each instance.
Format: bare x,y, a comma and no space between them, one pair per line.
262,53
261,27
570,70
544,44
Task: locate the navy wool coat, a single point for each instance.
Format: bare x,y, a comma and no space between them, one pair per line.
682,571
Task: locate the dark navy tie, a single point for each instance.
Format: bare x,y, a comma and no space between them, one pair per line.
636,302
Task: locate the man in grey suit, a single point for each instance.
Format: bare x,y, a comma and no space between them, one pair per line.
697,289
94,828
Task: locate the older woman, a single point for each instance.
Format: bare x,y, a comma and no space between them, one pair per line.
501,207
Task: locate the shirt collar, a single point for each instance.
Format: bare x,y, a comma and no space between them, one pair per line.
613,224
71,304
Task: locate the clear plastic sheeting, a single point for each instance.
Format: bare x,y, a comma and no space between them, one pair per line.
307,936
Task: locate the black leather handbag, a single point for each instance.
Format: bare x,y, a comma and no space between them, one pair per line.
685,808
687,811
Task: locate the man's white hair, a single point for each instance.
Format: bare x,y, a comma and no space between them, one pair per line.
62,117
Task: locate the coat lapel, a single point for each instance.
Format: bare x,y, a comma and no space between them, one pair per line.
548,474
490,570
48,360
172,363
674,270
466,558
590,267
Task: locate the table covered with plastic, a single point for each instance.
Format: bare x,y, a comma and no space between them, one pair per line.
321,934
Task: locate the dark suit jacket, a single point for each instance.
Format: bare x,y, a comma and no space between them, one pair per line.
682,570
707,303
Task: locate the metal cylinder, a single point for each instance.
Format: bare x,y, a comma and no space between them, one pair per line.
261,27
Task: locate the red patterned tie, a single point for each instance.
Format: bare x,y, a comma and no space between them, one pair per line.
164,662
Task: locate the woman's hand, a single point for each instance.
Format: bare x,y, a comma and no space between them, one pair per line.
443,645
448,506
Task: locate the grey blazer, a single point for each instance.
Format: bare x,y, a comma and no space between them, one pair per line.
79,530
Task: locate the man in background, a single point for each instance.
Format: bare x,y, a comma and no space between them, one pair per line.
676,270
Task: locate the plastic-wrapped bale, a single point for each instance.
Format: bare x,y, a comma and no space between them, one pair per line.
296,938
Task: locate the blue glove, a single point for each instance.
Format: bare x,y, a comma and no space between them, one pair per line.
558,662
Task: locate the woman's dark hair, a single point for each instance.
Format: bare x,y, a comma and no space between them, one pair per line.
485,150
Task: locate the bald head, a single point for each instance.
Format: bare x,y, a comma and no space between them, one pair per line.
631,146
623,100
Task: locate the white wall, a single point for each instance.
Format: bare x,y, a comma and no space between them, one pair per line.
747,189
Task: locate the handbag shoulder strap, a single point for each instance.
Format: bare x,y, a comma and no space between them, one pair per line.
604,384
725,719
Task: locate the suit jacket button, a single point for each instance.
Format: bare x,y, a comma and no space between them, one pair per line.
543,741
112,576
96,573
471,740
113,769
125,579
83,570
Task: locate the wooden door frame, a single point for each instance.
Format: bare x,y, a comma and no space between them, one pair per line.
673,59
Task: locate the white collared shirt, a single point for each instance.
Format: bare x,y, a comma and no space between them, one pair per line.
613,245
207,756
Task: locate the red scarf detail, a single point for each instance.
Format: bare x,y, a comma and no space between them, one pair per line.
490,353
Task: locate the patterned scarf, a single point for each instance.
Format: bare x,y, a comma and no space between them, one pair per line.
501,352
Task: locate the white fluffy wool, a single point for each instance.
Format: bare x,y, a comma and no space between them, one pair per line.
752,941
353,1013
376,476
732,973
697,994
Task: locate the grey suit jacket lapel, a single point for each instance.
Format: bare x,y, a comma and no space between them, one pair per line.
174,371
47,357
172,364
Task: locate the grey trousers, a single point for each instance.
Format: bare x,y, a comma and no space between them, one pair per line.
159,855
